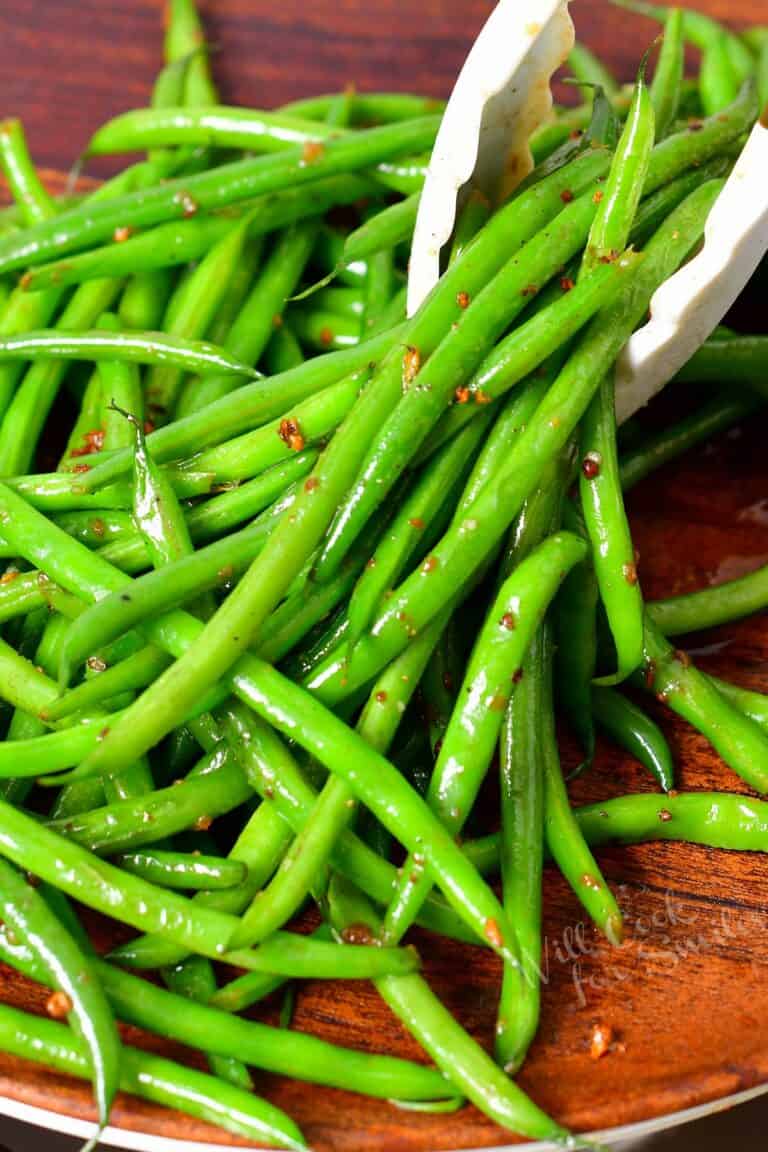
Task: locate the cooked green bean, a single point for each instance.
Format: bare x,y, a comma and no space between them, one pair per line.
671,676
629,726
194,871
19,171
151,1077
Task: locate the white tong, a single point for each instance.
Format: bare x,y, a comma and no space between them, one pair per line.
501,96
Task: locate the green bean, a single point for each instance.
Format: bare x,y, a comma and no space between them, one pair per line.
369,107
121,388
668,77
474,727
469,541
752,704
718,79
128,675
247,408
383,231
99,885
185,40
136,348
740,359
255,323
18,169
624,187
718,414
462,1060
63,492
70,971
715,819
218,787
202,296
403,535
39,755
236,293
310,422
605,517
701,30
156,511
151,1077
176,870
575,617
708,607
522,854
403,811
229,183
320,331
629,726
654,209
670,675
762,72
22,592
97,530
563,836
195,979
217,126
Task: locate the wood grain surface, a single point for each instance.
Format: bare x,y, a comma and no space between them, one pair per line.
685,995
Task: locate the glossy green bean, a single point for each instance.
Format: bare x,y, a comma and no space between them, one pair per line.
671,676
136,348
320,331
194,871
369,107
99,885
522,857
668,77
229,183
563,836
709,607
26,414
217,126
624,187
307,860
588,69
19,171
178,242
468,1067
66,967
606,521
718,79
631,728
150,1077
738,359
174,583
219,786
130,674
185,39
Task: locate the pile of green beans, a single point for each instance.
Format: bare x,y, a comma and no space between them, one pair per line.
309,574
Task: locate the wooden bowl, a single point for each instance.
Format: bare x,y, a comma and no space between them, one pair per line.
684,997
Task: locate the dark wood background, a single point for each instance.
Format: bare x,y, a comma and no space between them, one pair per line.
68,65
686,995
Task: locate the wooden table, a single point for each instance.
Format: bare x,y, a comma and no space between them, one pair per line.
685,996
